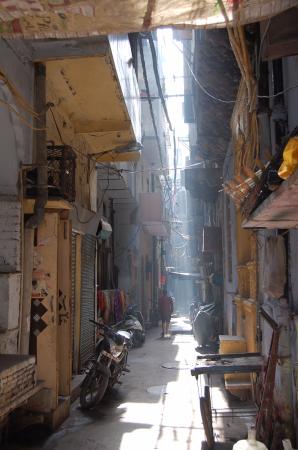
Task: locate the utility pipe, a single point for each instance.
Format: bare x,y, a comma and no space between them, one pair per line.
40,147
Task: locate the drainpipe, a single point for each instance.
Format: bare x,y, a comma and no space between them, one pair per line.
40,147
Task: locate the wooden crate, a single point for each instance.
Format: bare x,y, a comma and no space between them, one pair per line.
252,268
243,281
238,301
236,383
250,324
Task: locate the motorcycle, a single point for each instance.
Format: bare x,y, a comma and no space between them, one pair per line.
134,324
194,308
105,366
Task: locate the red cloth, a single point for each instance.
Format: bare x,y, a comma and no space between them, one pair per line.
165,306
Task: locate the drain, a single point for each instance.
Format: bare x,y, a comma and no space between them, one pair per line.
176,365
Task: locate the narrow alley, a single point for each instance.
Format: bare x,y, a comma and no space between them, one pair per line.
148,179
156,407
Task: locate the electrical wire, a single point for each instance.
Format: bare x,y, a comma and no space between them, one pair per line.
198,81
290,88
129,244
157,79
151,109
19,115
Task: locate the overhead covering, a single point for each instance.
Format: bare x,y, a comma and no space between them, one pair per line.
69,18
184,275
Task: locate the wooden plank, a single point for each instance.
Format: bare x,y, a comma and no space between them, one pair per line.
233,365
64,308
28,205
207,421
216,356
279,210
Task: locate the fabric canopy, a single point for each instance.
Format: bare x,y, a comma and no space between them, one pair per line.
70,18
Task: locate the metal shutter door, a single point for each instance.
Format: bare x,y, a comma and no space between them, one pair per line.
73,291
87,338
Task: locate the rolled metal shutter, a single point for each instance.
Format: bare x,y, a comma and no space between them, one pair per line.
87,338
73,292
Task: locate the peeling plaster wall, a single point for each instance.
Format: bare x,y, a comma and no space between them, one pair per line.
15,150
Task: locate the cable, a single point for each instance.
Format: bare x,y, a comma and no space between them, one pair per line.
199,83
157,79
104,192
22,119
151,107
290,88
78,217
129,244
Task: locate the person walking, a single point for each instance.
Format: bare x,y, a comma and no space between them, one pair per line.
166,308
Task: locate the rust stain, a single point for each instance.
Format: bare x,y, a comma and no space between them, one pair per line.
147,22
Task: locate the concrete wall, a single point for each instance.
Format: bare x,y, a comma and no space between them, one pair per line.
15,149
16,137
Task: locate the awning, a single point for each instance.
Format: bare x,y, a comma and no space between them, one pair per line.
185,275
279,210
157,229
60,18
104,230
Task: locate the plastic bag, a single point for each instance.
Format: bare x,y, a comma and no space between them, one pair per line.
290,159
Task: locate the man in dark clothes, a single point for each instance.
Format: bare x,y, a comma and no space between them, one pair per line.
165,310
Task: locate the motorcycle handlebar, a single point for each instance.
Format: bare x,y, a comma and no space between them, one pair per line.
108,330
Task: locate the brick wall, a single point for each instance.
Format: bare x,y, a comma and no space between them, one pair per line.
17,377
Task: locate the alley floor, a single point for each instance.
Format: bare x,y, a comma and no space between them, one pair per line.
156,407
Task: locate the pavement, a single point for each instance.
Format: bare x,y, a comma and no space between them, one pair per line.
156,407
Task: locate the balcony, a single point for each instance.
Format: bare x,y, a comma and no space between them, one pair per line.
61,174
151,214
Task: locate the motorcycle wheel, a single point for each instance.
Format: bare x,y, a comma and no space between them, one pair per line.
117,371
94,386
138,338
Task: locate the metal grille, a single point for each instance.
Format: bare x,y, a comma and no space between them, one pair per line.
73,295
87,339
61,174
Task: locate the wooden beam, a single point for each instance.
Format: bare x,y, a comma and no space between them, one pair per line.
118,157
28,205
53,49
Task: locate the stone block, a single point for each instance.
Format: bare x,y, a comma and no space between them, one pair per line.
9,341
10,236
10,285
